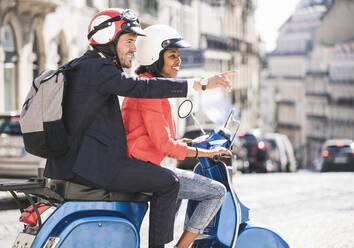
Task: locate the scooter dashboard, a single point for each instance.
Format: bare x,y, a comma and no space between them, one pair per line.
200,139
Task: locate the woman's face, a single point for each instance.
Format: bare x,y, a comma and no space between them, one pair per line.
171,63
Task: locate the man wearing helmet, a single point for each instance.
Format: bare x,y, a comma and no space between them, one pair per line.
97,156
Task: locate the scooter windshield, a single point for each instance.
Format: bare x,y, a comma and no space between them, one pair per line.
232,124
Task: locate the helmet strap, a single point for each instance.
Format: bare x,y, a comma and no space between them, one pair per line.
114,43
109,51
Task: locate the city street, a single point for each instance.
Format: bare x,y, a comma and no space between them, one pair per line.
86,85
308,209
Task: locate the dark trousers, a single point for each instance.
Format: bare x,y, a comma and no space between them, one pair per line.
138,176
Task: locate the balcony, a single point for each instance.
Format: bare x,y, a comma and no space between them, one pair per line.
215,42
340,93
36,7
191,58
319,139
317,117
290,126
342,113
286,102
317,94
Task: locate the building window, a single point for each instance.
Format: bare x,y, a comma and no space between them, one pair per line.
60,61
244,22
62,50
125,4
9,47
89,3
35,57
185,2
151,6
244,59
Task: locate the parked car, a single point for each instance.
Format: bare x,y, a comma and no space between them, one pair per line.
338,154
281,152
277,151
291,165
240,157
257,151
14,160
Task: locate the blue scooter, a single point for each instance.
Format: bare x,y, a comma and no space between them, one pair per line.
88,218
64,214
231,226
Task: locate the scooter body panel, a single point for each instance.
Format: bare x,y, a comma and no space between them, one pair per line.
227,222
223,228
84,216
251,236
105,229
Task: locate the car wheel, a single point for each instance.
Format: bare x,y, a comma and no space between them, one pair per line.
325,168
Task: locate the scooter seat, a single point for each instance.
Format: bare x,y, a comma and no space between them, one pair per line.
77,192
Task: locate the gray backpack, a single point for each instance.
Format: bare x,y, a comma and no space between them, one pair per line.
41,119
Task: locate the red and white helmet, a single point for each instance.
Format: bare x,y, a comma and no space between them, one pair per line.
106,27
108,24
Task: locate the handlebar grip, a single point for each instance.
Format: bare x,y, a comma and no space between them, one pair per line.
217,158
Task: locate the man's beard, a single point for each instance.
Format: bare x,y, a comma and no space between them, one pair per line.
125,62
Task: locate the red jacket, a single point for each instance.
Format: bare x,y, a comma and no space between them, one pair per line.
150,129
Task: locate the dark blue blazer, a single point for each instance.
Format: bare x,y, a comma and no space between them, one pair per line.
98,152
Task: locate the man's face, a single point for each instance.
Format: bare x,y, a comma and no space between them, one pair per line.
126,48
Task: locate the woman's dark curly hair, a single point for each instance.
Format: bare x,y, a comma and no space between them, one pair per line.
154,69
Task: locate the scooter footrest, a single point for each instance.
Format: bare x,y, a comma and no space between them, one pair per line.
205,237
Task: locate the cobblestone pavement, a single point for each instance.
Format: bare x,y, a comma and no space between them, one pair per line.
308,209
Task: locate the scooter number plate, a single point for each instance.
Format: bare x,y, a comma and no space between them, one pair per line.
23,240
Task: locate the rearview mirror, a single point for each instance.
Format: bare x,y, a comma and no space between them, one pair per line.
185,109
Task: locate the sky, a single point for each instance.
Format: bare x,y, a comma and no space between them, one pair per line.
270,15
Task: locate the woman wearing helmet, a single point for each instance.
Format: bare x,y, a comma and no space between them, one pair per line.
151,134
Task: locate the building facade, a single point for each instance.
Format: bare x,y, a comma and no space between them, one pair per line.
39,34
287,68
310,75
243,43
330,79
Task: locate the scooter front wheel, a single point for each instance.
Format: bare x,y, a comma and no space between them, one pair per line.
259,237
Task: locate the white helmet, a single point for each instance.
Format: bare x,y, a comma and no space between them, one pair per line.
158,37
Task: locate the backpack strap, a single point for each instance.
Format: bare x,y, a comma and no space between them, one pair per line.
68,66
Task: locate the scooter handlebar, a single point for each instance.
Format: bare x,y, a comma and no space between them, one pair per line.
217,158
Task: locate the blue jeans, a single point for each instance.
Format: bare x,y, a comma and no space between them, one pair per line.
208,192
